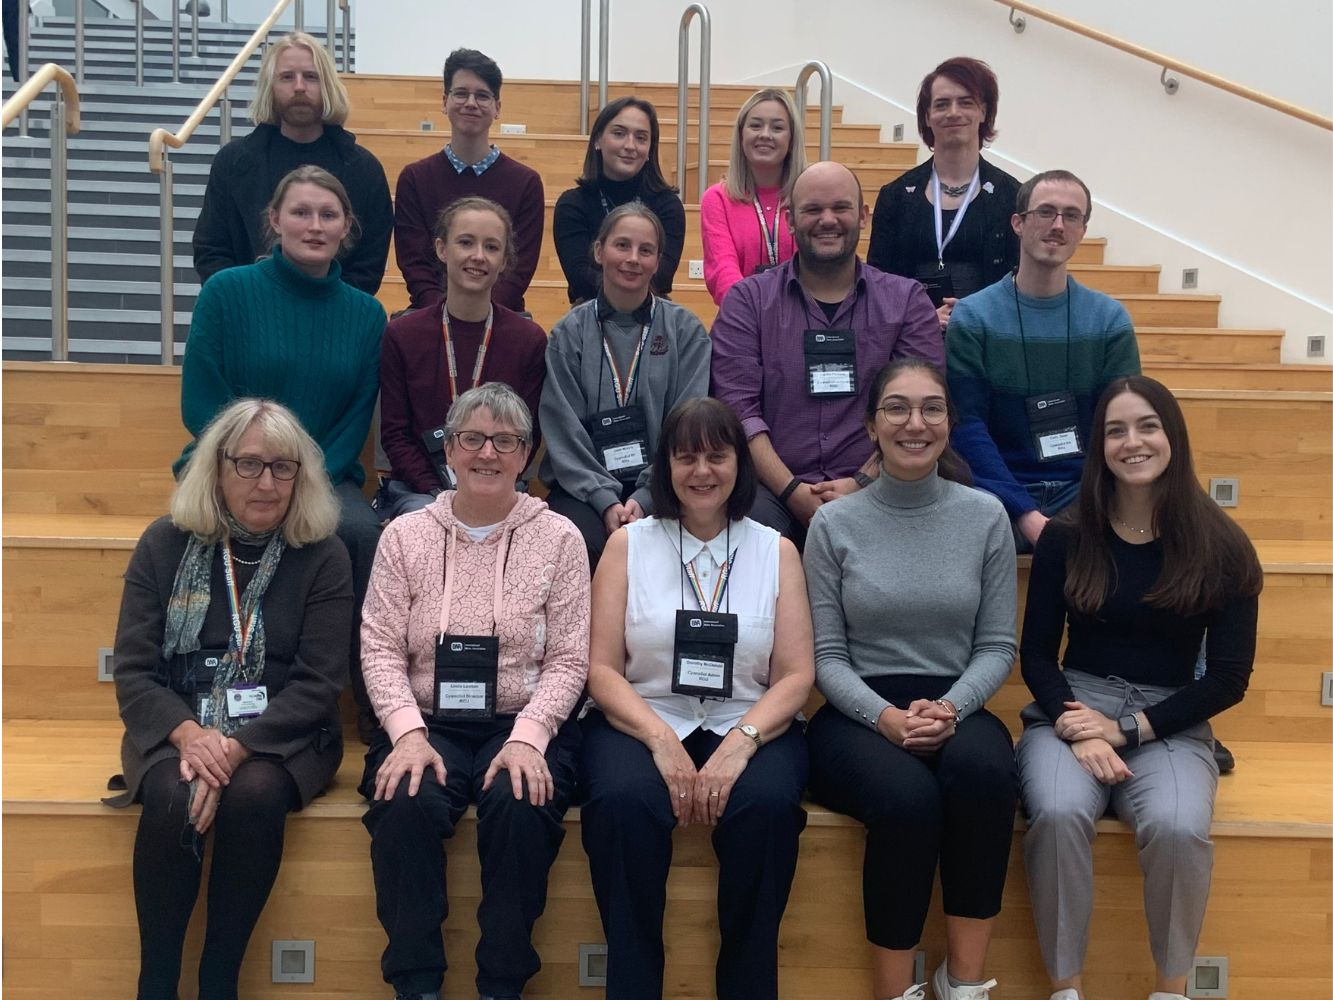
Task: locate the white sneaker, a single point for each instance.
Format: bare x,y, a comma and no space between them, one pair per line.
943,991
1159,995
917,992
1069,994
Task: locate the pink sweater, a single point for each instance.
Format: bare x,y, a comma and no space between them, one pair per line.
733,242
543,626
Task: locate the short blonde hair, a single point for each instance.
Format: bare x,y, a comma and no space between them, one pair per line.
740,178
196,504
333,94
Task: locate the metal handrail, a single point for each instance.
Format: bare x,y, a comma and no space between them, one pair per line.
138,42
64,123
1167,63
682,86
585,58
825,102
160,163
78,43
347,34
23,69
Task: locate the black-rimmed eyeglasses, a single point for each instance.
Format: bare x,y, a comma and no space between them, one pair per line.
1046,213
503,443
283,469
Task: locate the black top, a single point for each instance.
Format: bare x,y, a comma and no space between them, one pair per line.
961,254
1131,640
307,621
578,215
902,234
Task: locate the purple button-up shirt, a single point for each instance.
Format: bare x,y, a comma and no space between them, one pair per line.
759,367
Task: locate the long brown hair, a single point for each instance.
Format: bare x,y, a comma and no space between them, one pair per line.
1206,557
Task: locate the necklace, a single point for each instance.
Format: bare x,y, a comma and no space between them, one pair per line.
955,192
1129,527
245,562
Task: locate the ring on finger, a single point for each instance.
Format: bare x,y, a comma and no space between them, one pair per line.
712,795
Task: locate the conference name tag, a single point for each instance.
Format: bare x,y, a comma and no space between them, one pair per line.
245,701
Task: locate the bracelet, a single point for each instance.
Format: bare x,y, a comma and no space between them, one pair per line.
785,495
945,703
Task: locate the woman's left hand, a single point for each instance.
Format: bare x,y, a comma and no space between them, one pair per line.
524,762
1079,722
715,780
631,512
930,726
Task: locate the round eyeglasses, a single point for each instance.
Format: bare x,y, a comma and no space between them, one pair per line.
933,413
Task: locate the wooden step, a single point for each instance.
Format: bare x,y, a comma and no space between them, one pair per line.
1218,375
70,914
1207,344
1151,309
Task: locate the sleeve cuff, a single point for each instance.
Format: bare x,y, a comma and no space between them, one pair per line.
602,498
753,426
402,721
532,732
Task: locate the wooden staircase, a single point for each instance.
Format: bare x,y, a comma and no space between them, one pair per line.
86,457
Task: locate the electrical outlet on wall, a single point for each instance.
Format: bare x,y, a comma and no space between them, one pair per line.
898,133
427,125
697,270
513,129
1189,278
1326,688
1314,347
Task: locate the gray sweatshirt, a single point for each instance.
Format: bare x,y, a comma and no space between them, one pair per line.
674,366
911,578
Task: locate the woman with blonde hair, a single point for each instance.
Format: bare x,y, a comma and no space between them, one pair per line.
741,215
230,654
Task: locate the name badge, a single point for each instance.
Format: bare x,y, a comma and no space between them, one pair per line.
620,436
433,440
246,701
1053,426
466,668
704,653
192,676
830,363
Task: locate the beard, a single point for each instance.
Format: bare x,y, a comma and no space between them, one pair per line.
811,253
298,112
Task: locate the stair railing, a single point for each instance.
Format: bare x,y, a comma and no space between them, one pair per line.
825,102
159,163
138,42
682,88
23,68
64,123
347,35
1171,84
585,58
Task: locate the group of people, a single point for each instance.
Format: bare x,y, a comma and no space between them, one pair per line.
802,499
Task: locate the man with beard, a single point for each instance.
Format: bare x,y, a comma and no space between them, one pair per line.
1030,355
796,347
298,110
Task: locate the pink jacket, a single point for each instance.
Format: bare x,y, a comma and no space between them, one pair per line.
543,626
733,244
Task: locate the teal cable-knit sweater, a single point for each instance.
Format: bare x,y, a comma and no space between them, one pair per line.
312,344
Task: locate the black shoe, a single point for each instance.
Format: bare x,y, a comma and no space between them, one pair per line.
435,995
1226,760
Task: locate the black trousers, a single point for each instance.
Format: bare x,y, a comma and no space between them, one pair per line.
168,857
771,512
954,808
517,843
588,521
627,826
359,529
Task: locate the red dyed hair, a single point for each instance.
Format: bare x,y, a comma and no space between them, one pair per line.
972,75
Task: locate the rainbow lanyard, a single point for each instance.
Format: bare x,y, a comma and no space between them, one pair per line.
449,350
625,389
719,585
242,629
770,236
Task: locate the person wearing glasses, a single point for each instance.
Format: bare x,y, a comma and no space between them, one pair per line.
913,594
1029,356
946,222
469,165
230,654
430,355
475,652
615,366
620,166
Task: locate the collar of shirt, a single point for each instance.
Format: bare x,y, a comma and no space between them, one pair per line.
690,547
605,309
478,168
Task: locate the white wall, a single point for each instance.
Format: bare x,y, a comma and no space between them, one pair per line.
1202,179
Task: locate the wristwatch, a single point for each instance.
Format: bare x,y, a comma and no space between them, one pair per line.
861,479
1129,729
750,731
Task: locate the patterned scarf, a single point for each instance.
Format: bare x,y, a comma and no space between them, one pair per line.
188,606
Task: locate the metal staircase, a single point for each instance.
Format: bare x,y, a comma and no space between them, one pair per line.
114,282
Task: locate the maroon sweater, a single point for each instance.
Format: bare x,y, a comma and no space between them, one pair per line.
414,379
427,186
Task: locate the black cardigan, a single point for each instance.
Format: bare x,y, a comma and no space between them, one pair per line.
578,215
891,245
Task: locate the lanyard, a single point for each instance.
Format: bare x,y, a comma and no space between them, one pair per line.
942,241
1022,335
720,585
242,631
624,389
502,557
606,205
449,350
770,237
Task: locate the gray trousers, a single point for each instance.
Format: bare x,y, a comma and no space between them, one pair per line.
1168,803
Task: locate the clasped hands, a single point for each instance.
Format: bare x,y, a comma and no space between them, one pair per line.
208,760
922,728
1093,738
699,795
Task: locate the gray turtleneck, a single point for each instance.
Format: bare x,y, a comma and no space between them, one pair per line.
911,578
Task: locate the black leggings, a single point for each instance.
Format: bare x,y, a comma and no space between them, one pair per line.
168,858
